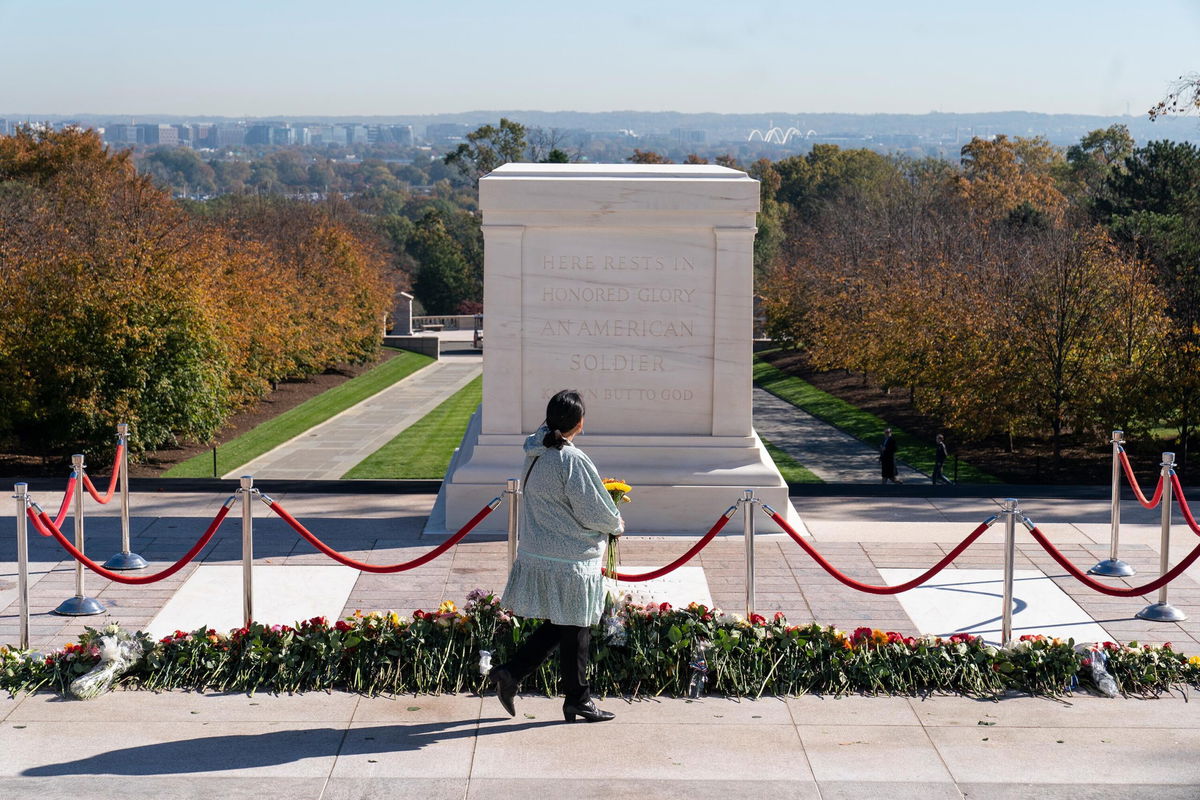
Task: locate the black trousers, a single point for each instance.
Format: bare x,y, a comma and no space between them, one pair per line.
572,642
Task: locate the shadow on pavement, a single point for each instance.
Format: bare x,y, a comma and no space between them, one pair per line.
250,751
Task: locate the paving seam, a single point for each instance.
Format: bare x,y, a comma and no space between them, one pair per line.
341,745
474,746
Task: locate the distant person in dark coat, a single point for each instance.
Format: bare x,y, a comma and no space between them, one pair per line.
887,457
939,460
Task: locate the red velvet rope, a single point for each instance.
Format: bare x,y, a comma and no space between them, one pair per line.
1137,490
679,562
872,589
1183,504
385,568
1091,583
112,481
68,494
46,527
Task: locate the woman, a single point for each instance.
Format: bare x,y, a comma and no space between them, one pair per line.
567,517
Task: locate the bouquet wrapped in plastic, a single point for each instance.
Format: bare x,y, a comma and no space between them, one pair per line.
119,652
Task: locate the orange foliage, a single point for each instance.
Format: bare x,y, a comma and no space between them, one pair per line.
117,305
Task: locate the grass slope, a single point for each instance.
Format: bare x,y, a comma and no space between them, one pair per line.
423,450
293,422
862,425
791,469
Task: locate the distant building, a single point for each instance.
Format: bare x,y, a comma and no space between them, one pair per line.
227,136
326,135
258,134
391,134
158,135
282,135
124,135
196,134
356,134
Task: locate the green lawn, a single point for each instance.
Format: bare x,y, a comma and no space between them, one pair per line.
423,450
791,469
289,424
860,424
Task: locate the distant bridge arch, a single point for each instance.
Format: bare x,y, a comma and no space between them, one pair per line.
777,135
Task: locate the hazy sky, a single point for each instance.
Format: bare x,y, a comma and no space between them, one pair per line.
297,57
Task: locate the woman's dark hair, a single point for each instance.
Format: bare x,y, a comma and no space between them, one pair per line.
563,412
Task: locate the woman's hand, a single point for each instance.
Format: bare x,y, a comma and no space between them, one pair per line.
620,526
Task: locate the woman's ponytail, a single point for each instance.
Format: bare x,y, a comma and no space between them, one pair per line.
564,412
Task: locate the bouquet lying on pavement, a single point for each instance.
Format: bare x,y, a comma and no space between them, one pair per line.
618,490
119,652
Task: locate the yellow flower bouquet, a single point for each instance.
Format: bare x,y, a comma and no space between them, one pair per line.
618,490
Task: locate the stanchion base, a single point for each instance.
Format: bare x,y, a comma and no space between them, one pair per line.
1112,568
122,561
1161,612
79,607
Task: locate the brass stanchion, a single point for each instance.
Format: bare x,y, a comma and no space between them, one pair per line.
247,492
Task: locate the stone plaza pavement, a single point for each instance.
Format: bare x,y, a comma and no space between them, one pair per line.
337,745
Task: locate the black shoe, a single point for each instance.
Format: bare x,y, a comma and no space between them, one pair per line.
587,710
506,688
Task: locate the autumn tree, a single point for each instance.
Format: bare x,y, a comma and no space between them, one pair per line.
1001,174
647,157
443,278
1152,205
1094,158
179,169
488,147
119,305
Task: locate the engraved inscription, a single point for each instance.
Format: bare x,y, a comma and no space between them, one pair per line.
628,322
654,328
628,263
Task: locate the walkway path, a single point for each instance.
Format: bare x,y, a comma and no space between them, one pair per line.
329,450
832,455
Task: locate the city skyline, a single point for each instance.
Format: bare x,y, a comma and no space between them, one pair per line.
377,59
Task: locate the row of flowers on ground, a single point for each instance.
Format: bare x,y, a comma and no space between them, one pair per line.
639,651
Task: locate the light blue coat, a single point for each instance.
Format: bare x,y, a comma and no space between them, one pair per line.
566,517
